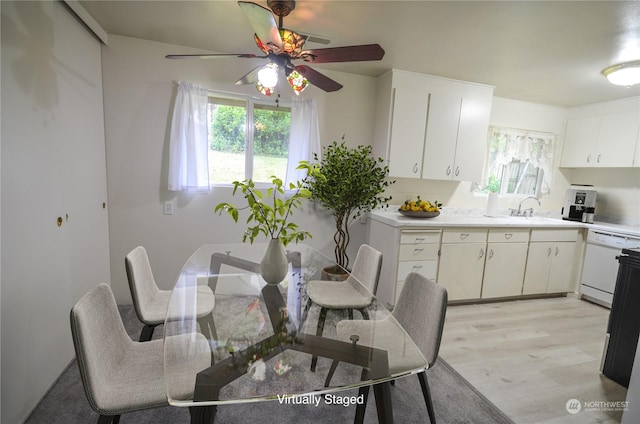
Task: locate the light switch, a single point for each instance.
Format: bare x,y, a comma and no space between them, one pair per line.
168,207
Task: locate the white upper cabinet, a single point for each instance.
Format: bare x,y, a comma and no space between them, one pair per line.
430,127
603,135
441,137
455,141
406,141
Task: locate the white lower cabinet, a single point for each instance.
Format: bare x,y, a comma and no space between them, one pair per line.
476,263
418,252
462,256
505,263
550,262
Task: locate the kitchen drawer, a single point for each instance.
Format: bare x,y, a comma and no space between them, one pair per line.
427,268
412,252
554,235
465,235
517,235
419,237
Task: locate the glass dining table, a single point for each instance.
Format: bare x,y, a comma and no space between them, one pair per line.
255,345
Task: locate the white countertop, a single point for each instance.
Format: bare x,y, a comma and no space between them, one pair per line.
457,218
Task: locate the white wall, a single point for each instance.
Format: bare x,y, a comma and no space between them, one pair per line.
53,165
505,113
139,89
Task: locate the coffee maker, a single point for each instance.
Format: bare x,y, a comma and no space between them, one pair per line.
579,204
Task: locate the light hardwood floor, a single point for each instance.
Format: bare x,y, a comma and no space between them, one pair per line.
529,357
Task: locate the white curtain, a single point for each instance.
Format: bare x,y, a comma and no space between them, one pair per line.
304,137
188,150
506,144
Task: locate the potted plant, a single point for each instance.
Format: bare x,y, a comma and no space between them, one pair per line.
270,213
352,184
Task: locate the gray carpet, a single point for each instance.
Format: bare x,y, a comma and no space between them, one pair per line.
454,399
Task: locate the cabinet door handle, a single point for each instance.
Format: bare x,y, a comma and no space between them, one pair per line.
457,171
549,252
490,253
419,239
481,254
508,235
464,236
598,158
449,170
415,168
589,159
417,267
417,251
557,251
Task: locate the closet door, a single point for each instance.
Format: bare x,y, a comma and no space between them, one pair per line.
54,228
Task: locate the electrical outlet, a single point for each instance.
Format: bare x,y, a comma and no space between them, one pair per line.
168,207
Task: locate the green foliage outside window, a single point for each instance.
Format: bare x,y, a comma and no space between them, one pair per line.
271,128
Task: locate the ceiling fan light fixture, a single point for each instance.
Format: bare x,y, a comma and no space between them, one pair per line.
626,74
265,91
297,82
292,42
268,75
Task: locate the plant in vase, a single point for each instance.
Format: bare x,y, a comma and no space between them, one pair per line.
352,184
270,213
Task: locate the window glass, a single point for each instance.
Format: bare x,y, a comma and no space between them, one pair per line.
270,142
247,140
518,162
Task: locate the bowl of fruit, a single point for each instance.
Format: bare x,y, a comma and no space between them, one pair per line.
420,208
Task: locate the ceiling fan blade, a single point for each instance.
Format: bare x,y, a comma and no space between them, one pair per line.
317,79
343,54
213,56
251,77
263,23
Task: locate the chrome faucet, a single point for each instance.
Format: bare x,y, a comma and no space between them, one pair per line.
526,212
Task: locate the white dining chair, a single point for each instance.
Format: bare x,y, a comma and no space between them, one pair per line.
355,293
151,303
421,310
120,375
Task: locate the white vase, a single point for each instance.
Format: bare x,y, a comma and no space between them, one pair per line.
274,264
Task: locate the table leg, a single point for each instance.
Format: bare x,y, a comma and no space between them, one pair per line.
361,408
382,393
202,414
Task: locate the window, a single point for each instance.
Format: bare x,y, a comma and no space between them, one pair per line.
247,140
518,162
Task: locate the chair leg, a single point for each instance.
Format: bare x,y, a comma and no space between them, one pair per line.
108,419
426,393
319,330
208,329
350,313
306,310
332,370
365,313
147,332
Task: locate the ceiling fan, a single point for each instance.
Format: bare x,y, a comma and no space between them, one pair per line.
283,46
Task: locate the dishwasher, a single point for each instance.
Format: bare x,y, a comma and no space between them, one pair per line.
600,267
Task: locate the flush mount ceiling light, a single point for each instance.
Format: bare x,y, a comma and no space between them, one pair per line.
626,74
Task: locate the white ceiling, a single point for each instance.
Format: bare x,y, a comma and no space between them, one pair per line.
547,52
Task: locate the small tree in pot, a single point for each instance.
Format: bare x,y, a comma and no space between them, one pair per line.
353,184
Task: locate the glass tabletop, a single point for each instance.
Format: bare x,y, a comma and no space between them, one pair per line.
230,337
